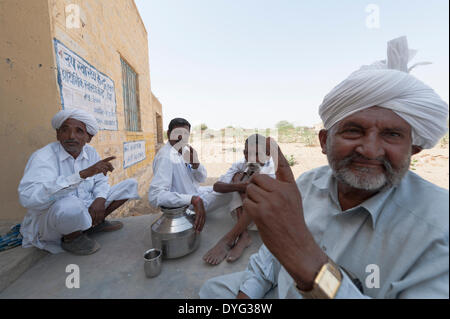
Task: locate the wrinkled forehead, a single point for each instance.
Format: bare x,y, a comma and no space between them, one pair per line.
71,122
375,116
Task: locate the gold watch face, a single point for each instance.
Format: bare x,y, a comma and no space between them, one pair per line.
326,283
329,284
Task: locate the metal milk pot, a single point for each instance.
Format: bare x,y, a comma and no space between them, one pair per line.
174,232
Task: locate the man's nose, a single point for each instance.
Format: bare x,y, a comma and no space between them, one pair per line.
72,134
371,147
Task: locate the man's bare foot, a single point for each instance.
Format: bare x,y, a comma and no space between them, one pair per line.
218,253
243,242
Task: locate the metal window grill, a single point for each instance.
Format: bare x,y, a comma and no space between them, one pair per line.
159,129
130,98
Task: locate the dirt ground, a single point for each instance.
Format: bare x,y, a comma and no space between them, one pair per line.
432,165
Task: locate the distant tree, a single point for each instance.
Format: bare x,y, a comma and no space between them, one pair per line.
284,125
203,127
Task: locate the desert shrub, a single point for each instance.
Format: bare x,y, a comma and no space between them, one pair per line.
291,160
284,125
444,140
286,132
413,164
308,137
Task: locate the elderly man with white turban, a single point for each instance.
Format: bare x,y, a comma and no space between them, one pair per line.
65,189
364,226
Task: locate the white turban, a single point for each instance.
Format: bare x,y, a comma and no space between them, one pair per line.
77,114
389,85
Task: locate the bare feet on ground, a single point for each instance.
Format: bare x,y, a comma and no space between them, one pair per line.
218,253
243,242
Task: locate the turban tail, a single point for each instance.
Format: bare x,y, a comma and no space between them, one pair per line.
389,85
77,114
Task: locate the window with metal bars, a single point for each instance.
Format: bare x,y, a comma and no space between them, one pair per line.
130,98
159,129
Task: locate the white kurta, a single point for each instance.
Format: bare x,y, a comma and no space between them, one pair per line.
57,198
175,182
405,237
240,167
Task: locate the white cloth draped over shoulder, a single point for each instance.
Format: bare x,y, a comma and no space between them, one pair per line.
387,84
57,198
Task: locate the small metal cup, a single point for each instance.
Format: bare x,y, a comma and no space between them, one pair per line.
152,262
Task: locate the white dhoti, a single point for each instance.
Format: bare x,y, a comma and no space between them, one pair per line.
213,200
228,201
70,214
227,287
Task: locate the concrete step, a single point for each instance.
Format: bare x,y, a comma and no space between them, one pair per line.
117,269
15,261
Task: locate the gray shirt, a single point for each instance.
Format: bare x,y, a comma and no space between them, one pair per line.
395,243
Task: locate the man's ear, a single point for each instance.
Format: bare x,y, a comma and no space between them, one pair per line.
323,134
415,149
89,137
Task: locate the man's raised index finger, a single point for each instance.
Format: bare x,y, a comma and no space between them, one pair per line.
282,168
109,159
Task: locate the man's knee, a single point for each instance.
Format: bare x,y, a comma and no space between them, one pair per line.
129,183
68,207
210,290
221,287
69,214
126,189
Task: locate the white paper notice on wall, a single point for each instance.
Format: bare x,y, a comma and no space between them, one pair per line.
82,86
133,152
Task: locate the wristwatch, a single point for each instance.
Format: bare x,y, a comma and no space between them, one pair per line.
326,284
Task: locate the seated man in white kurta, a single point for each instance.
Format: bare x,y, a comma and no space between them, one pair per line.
66,190
177,174
234,242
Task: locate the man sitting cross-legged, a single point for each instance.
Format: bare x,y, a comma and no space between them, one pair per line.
66,190
232,244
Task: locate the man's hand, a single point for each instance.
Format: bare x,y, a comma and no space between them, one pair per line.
242,295
200,214
97,210
276,208
103,166
222,187
191,157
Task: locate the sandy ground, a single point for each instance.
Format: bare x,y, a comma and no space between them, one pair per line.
432,165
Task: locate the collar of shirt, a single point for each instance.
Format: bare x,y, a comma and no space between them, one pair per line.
373,205
173,150
63,155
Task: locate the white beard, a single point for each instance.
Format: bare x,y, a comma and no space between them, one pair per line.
369,182
366,179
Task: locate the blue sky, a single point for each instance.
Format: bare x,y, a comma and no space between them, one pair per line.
252,63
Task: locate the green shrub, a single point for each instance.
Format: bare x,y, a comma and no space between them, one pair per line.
291,160
444,140
309,137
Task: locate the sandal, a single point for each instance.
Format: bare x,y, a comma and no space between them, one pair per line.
82,245
105,226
